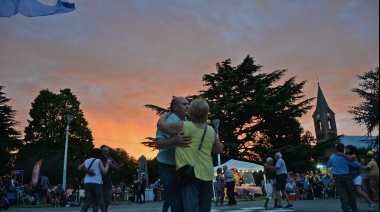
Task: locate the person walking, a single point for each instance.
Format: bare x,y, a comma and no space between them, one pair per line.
230,185
92,184
107,181
270,182
166,144
343,181
219,188
281,176
195,194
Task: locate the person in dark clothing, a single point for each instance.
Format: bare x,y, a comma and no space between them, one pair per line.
4,203
318,187
136,189
142,187
76,184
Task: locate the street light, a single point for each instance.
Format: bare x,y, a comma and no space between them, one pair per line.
216,123
69,118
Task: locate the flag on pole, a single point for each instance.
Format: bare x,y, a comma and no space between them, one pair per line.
33,8
36,172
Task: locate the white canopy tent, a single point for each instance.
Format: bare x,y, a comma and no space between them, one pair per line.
241,166
246,167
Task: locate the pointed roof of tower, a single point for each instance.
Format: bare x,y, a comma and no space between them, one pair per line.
321,101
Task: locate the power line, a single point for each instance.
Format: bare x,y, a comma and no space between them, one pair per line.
116,141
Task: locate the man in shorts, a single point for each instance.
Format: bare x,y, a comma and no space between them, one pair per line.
281,176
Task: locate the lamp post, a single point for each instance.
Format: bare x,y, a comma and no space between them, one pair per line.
69,118
216,123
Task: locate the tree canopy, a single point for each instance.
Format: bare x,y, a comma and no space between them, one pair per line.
45,133
9,136
367,112
257,110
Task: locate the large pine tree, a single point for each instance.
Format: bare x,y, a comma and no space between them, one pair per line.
257,110
9,136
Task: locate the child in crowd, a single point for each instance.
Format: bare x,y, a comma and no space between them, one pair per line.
55,199
63,199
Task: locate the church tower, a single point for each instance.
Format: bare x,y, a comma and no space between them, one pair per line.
324,119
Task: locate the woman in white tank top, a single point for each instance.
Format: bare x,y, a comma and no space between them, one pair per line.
93,180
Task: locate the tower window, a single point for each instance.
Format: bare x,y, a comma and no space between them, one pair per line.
320,125
329,123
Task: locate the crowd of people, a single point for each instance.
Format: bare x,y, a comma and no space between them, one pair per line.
74,195
344,176
34,194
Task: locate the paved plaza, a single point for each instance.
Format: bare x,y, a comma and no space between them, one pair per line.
324,205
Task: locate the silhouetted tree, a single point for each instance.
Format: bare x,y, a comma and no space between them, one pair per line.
9,136
367,112
128,166
257,110
45,133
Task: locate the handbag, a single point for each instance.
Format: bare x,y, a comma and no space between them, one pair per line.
185,174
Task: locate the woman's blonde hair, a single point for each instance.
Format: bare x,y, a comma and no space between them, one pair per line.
198,111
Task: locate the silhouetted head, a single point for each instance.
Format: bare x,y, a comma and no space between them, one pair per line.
340,147
95,153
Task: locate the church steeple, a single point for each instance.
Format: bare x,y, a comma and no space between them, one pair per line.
321,101
324,119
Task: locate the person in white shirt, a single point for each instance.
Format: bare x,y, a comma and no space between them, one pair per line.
291,186
230,185
93,183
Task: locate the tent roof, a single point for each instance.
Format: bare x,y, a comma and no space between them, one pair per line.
241,165
358,141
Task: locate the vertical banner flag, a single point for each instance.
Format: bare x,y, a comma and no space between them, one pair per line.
36,172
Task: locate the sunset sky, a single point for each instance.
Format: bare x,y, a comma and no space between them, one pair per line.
117,56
